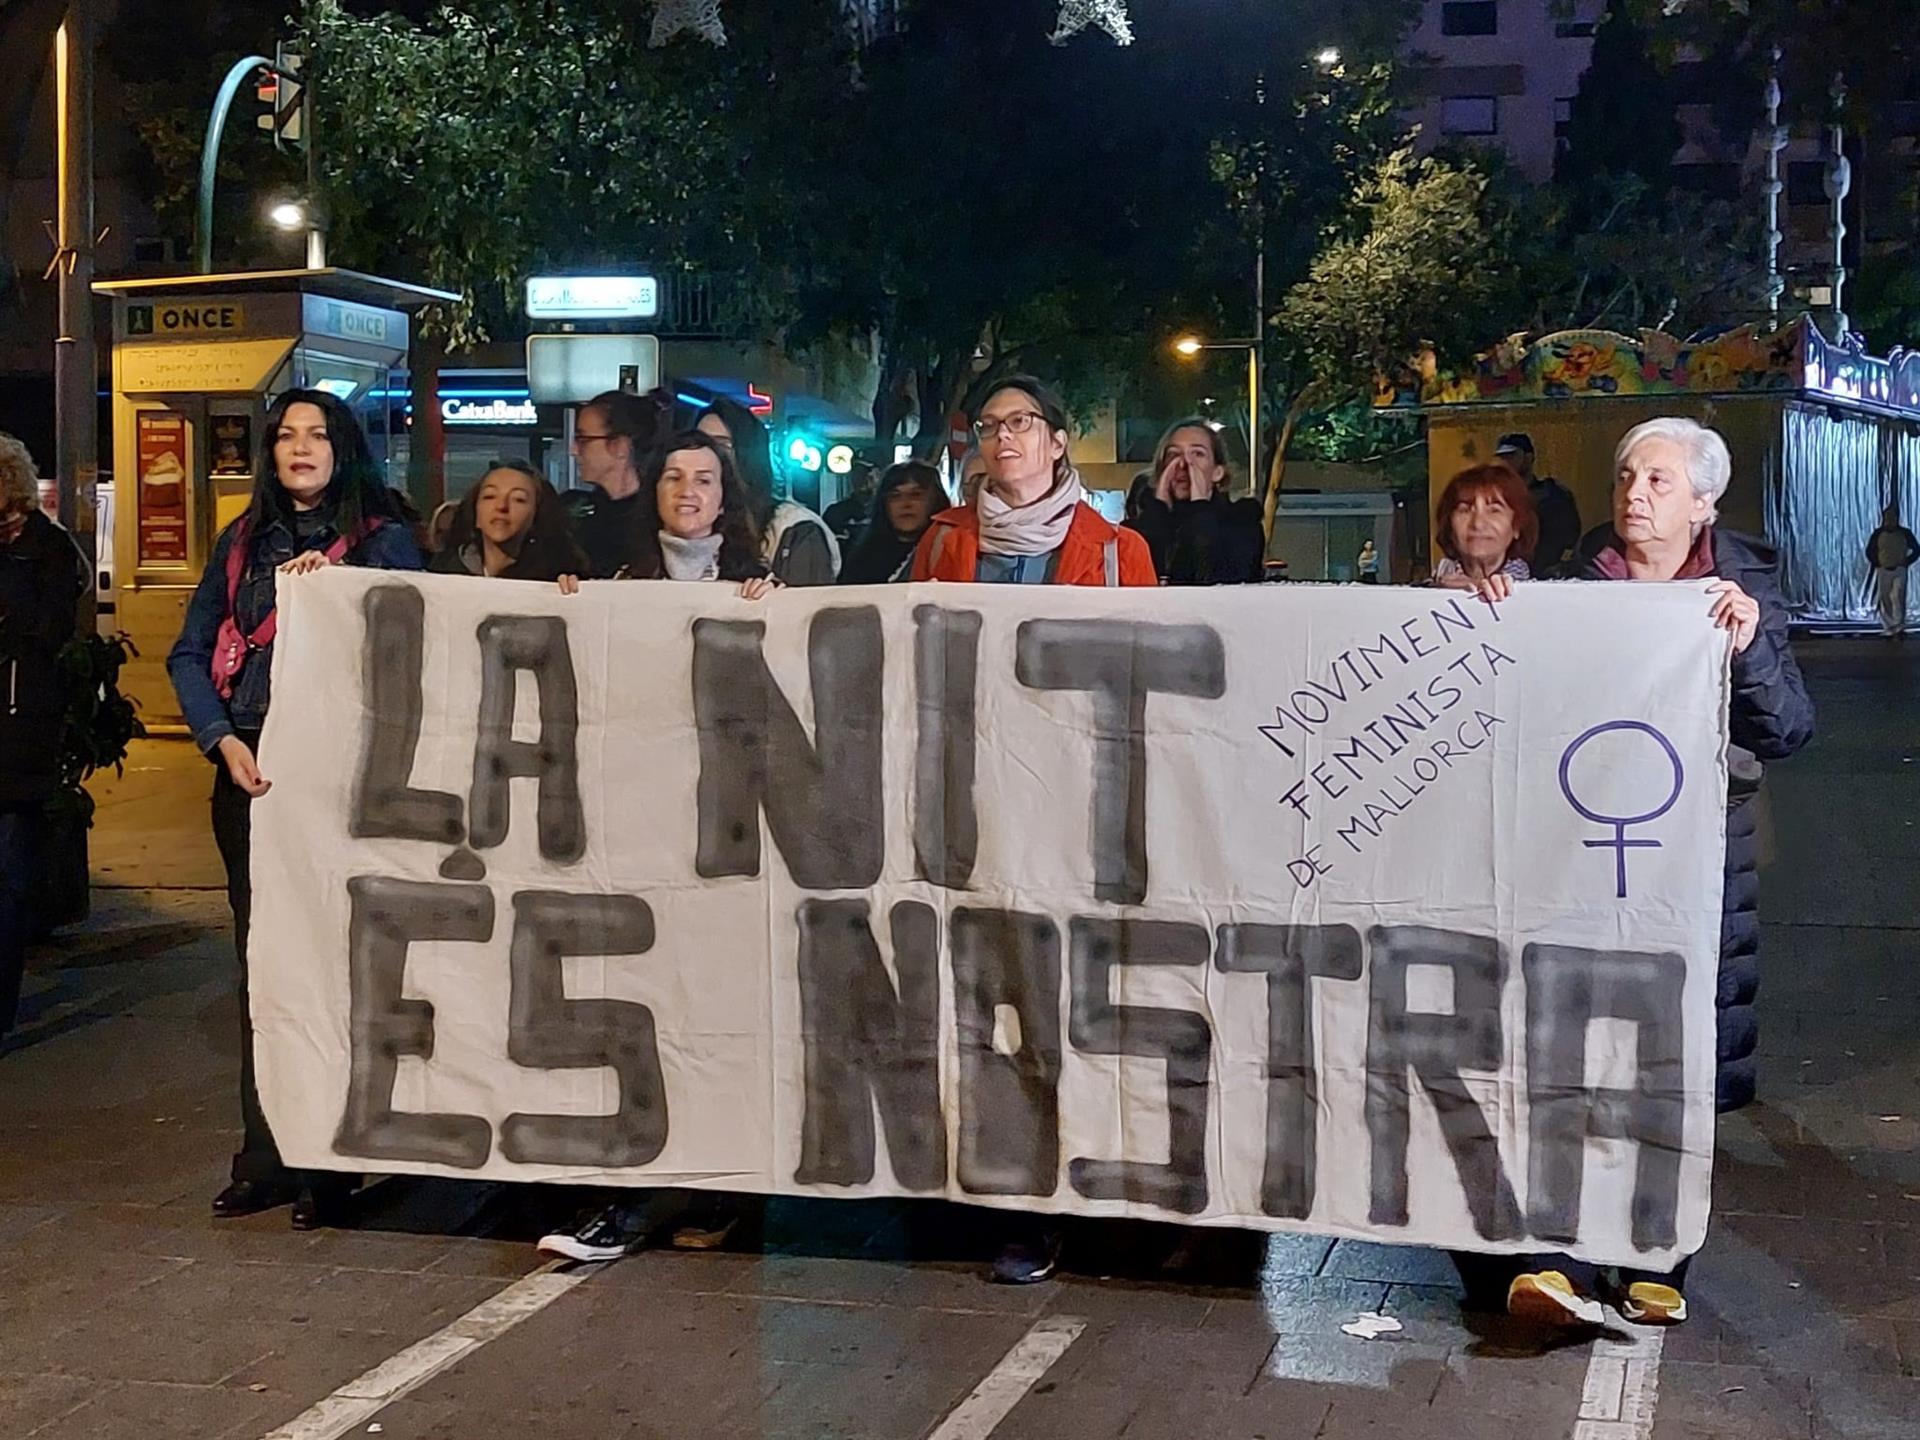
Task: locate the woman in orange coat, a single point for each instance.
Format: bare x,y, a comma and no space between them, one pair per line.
1031,524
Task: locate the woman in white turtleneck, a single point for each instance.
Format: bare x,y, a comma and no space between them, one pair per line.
693,521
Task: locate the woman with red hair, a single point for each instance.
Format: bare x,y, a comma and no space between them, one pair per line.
1487,527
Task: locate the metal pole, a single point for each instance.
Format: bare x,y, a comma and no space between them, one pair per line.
210,156
1839,180
567,418
1776,141
316,230
1257,359
76,364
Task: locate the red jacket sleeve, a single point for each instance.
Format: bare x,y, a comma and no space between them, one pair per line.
1136,560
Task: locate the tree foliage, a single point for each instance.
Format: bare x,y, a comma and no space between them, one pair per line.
1422,260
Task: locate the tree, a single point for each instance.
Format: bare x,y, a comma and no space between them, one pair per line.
1621,121
1079,208
1422,260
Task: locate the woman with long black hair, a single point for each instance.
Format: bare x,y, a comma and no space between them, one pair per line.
910,495
511,526
318,500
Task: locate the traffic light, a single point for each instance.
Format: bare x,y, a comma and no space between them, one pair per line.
805,451
284,99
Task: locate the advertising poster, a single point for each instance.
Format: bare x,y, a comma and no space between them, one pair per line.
161,438
232,450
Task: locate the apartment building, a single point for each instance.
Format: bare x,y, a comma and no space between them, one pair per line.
1504,73
1501,72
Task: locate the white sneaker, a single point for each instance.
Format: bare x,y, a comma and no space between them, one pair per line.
605,1236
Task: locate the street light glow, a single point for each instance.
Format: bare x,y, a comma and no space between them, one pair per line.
1328,58
288,215
1189,345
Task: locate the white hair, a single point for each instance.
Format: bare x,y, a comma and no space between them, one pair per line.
1709,465
19,481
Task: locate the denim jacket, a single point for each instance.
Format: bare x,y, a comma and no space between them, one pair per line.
190,663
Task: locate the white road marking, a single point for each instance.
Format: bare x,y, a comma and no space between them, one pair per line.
356,1402
1019,1370
1623,1386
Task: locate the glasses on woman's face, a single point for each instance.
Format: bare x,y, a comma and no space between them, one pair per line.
1019,423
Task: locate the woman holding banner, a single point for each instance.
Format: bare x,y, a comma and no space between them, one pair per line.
1486,526
1031,525
1669,475
318,500
693,521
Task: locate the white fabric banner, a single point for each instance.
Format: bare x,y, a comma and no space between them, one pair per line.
1366,911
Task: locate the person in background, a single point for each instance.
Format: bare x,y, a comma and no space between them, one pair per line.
909,497
42,576
847,517
49,495
1486,527
440,526
511,526
1367,564
613,439
1198,534
795,544
1030,526
1891,551
318,500
973,474
1553,503
694,522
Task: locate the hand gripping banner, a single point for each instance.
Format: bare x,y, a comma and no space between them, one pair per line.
1363,911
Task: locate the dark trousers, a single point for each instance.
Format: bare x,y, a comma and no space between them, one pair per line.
259,1157
19,847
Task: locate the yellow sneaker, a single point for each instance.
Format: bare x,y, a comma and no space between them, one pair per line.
1547,1297
1646,1303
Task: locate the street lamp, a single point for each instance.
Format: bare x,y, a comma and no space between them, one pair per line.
288,215
1189,346
1328,59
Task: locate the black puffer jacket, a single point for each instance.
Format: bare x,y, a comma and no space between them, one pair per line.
1770,717
41,576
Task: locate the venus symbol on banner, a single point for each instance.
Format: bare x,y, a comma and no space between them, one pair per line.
1622,823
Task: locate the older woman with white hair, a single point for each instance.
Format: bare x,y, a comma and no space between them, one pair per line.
1669,475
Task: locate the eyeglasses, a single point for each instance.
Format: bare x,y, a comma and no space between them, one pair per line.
1018,423
580,438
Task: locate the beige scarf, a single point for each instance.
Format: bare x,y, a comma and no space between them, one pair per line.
1035,529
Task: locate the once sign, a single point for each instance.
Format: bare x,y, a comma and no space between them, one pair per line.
1263,908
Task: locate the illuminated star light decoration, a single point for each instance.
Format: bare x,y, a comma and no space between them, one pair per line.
1109,15
702,17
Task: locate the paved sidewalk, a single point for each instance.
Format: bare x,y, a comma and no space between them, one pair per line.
126,1312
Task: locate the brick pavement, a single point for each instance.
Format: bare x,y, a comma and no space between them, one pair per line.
125,1311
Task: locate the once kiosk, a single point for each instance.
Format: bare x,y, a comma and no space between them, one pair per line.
196,361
